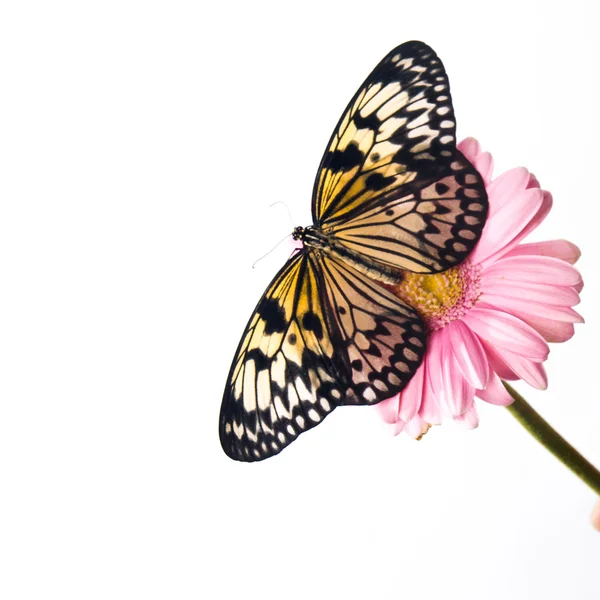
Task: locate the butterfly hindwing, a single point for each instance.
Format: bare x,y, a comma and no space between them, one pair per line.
398,127
381,339
322,335
424,230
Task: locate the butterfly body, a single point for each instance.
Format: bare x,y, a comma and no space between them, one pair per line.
392,194
314,238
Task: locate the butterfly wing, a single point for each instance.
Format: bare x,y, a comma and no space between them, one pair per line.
322,335
391,184
425,230
399,125
380,338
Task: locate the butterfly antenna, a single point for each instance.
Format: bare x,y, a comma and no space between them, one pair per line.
271,250
288,211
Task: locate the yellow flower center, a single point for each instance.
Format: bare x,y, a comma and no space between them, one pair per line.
443,297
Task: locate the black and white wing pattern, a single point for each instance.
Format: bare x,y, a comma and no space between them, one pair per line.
392,185
322,335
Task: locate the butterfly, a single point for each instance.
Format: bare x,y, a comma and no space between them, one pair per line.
392,194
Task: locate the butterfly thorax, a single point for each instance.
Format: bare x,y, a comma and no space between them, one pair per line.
313,237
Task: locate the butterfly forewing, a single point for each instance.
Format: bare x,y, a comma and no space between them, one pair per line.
398,129
322,335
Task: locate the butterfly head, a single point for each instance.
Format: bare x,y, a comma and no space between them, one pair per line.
299,233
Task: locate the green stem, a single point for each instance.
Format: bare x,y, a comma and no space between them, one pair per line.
552,441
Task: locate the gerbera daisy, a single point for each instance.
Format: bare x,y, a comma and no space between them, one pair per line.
490,318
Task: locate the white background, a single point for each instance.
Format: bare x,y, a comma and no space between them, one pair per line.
141,144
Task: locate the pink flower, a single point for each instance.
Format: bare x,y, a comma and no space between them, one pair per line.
491,317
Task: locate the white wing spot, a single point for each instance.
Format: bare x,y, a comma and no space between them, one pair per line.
238,430
263,388
250,386
369,395
380,385
303,392
393,379
402,367
313,415
410,354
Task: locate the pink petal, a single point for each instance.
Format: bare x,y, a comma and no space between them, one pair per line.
432,381
469,419
503,190
401,408
512,206
497,363
516,367
507,332
416,427
549,329
469,354
411,396
482,161
532,373
514,305
455,395
495,392
515,221
398,427
554,295
470,147
561,249
540,215
388,409
533,182
539,269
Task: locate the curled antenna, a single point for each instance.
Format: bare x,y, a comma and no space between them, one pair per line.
286,208
271,250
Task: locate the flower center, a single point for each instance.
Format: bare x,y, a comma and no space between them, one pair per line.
443,297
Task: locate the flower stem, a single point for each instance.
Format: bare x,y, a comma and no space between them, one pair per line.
552,441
